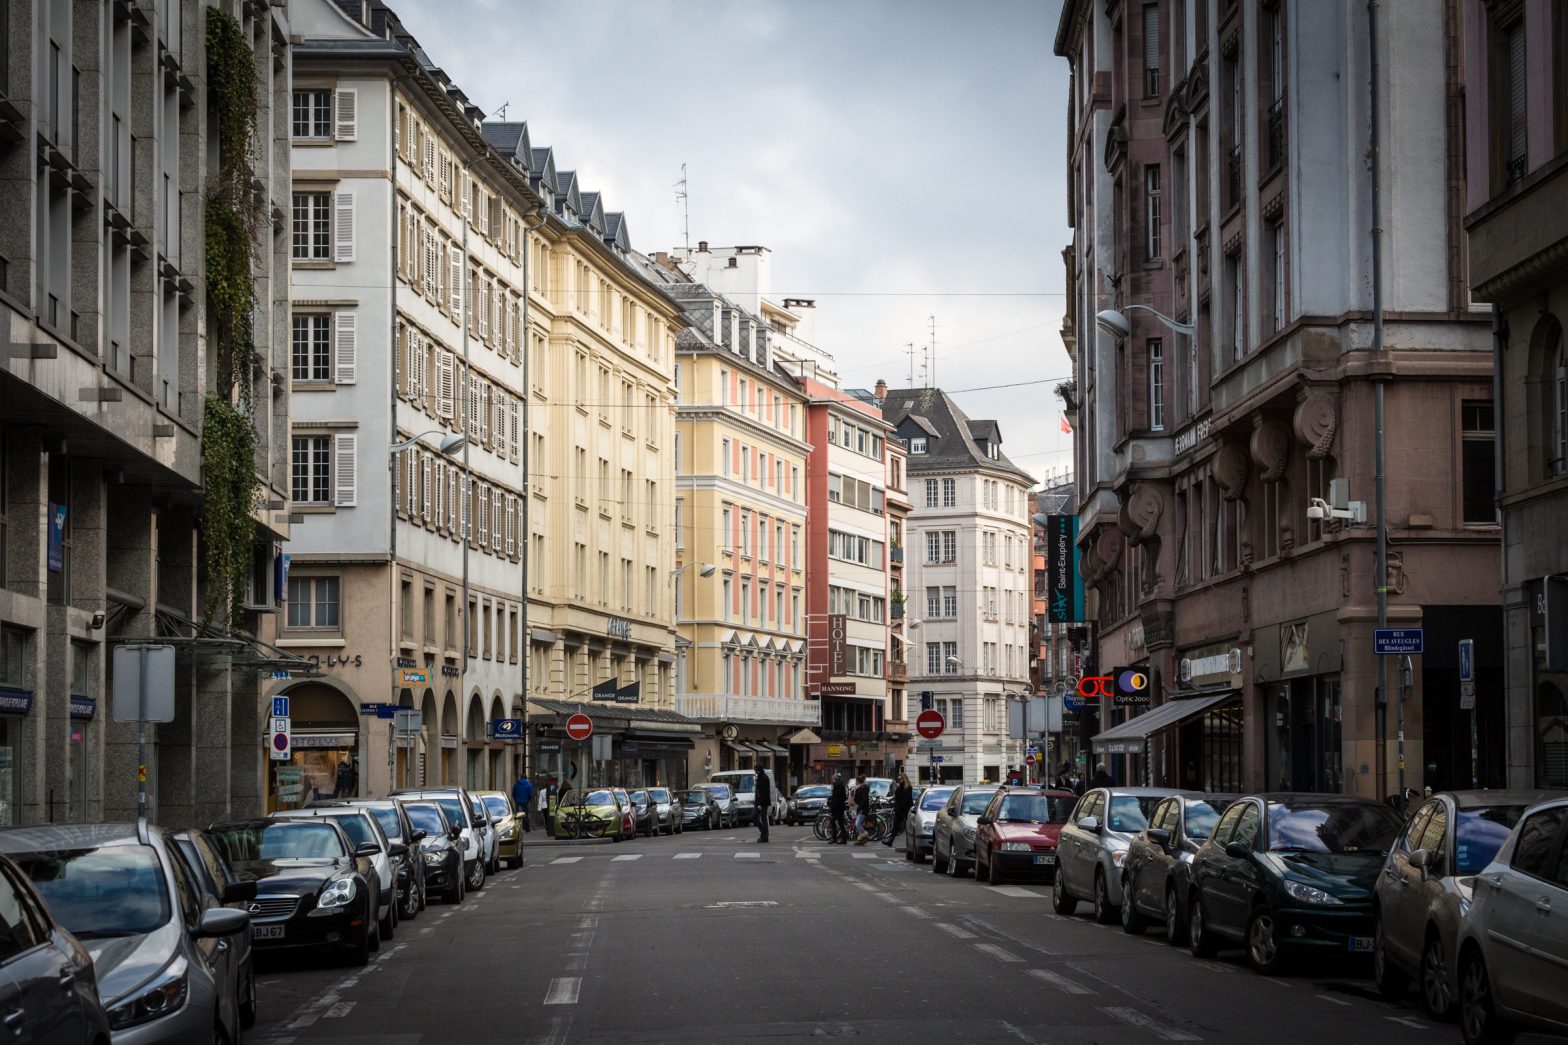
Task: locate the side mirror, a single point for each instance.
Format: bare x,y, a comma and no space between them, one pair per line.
418,835
1421,859
455,833
1238,850
366,849
239,892
220,921
398,850
1158,835
983,820
1089,823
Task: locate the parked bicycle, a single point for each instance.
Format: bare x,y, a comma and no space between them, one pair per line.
878,824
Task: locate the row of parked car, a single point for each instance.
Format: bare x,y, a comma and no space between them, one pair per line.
1466,896
728,799
145,935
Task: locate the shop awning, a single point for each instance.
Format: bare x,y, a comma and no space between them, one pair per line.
770,749
1130,737
334,739
805,736
661,737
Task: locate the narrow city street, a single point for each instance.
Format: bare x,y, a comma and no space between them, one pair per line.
713,938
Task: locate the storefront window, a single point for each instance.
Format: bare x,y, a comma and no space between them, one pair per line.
1304,750
10,767
1222,749
325,758
1551,709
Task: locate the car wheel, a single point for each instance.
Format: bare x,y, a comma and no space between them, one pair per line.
476,876
386,928
424,896
359,953
938,864
1264,952
955,866
1175,925
375,937
1062,901
408,909
1478,1019
248,1006
1435,993
1390,979
1198,939
993,870
1104,913
1133,923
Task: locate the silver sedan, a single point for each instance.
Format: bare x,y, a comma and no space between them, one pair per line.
922,822
953,834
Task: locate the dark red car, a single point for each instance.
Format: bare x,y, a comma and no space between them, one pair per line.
1017,834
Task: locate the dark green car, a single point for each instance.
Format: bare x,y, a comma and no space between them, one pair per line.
1288,873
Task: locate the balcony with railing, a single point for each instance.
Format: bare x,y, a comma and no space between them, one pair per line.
1276,133
1233,178
898,671
727,707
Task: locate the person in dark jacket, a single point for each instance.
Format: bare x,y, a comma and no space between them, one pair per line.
862,799
1102,777
763,792
903,798
838,806
523,796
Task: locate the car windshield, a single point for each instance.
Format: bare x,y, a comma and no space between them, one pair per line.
935,798
1130,813
1039,809
813,791
696,798
357,827
880,788
1202,815
386,816
1481,834
1332,827
718,790
285,840
661,795
496,805
591,798
427,819
639,798
745,782
453,808
115,890
975,802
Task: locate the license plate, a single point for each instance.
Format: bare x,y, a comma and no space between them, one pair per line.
1045,858
1361,944
266,932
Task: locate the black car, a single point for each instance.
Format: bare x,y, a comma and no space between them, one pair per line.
645,810
1157,871
224,885
440,850
48,990
1285,873
807,803
698,809
409,868
313,887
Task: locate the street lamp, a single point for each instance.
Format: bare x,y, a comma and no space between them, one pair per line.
706,569
1114,322
451,444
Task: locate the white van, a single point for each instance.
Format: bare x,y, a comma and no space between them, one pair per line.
744,783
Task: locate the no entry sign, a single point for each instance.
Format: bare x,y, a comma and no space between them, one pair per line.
930,724
579,727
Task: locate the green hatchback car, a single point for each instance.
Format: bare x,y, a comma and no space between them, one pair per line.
595,813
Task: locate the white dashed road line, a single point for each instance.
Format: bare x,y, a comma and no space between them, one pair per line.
626,856
917,912
1134,1018
1408,1022
1017,890
1060,982
566,860
563,990
687,856
999,953
954,931
1336,1001
748,856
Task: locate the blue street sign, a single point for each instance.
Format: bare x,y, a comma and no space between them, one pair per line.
387,711
1467,660
936,760
280,707
506,728
1072,701
1393,642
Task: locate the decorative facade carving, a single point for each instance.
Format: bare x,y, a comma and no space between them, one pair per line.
1231,466
1316,421
1140,516
1270,448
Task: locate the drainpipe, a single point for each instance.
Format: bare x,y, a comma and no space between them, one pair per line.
468,475
1499,486
525,533
1378,381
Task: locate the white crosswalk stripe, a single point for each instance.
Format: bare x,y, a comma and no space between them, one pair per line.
687,856
1060,982
626,856
566,860
1134,1018
748,856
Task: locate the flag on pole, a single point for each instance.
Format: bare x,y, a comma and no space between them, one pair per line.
1066,428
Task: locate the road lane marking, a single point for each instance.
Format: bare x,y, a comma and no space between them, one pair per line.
999,953
566,860
1060,982
563,990
1018,890
582,939
1336,1001
866,856
556,1033
588,921
954,931
917,912
342,1008
687,856
626,856
805,854
1134,1018
1216,966
748,856
576,962
886,896
1277,983
1408,1022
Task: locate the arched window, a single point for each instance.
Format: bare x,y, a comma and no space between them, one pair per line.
1548,395
1557,446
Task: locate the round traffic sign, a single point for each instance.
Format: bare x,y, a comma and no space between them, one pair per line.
1029,759
930,724
579,727
280,741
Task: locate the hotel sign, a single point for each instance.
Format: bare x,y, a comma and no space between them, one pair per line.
1192,435
838,644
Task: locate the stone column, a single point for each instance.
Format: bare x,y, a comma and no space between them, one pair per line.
130,567
177,780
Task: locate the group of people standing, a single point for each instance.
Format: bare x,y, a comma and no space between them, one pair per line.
850,809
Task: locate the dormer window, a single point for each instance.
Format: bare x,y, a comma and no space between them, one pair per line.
991,451
917,444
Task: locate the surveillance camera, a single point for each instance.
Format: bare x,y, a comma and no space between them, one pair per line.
98,619
1318,508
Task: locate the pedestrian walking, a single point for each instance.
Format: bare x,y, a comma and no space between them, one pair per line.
344,786
862,799
1102,777
838,802
762,791
903,798
523,796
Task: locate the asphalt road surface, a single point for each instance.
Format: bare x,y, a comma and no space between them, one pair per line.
712,938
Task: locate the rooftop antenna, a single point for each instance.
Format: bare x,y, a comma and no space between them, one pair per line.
681,199
911,347
933,351
500,113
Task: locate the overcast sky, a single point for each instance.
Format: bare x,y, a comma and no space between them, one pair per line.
900,158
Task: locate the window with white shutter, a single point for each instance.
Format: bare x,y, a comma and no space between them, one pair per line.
406,467
498,421
343,227
483,303
439,515
346,113
463,502
497,534
444,375
455,285
346,339
484,515
512,411
484,414
424,500
430,159
463,184
511,525
431,261
444,183
345,470
485,203
451,498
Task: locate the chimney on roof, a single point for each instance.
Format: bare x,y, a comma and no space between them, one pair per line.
702,246
881,390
